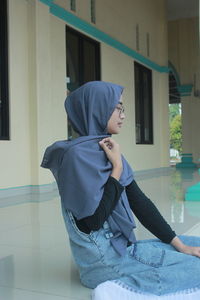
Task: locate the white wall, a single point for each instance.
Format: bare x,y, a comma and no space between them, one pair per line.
37,90
15,154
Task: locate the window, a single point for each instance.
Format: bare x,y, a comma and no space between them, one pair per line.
4,108
143,104
73,5
93,13
148,43
83,61
137,37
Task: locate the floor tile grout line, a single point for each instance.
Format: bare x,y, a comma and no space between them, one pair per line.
40,292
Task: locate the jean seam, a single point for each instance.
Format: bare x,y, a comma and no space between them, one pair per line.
155,265
73,223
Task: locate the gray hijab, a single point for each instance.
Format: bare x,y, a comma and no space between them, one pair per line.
81,167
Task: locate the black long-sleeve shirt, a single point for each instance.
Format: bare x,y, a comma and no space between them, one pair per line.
142,207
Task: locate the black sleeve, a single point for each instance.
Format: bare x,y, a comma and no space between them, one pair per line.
112,193
148,214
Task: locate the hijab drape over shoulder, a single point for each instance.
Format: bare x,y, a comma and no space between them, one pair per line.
81,167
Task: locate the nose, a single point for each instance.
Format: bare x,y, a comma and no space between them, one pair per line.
122,115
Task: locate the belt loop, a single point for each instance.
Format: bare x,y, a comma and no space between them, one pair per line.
106,225
108,234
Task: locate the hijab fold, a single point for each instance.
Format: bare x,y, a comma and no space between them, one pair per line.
81,167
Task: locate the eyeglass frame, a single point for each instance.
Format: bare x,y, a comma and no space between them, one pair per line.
121,109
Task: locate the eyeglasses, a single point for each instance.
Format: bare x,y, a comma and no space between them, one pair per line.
120,109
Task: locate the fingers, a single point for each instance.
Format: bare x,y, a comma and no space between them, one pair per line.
107,142
195,251
105,145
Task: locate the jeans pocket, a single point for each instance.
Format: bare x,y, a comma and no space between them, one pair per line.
83,246
148,254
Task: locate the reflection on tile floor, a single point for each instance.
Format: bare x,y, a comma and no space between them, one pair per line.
35,259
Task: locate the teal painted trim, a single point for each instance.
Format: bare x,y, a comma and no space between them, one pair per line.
18,199
193,193
37,191
186,165
185,95
194,188
185,90
192,197
25,186
186,161
175,73
27,190
152,173
47,2
100,35
78,23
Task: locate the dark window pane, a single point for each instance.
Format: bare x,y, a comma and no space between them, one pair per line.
93,11
73,61
137,107
4,107
89,65
147,108
143,105
83,62
0,117
83,59
73,5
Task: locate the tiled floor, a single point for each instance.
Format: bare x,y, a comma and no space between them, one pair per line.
35,259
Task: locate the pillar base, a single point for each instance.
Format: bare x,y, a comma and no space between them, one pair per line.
193,193
186,161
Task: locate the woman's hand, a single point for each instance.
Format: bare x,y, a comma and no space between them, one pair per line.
113,153
191,250
178,244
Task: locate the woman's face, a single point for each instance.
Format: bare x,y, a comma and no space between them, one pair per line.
116,120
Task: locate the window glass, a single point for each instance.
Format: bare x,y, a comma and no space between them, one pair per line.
143,105
4,105
83,62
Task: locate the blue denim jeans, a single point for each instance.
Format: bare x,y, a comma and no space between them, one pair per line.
149,266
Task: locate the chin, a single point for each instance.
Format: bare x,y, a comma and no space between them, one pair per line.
115,132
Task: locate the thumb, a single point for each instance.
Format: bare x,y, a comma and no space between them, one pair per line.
103,145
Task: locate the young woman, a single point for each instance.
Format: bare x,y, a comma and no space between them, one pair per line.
99,197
